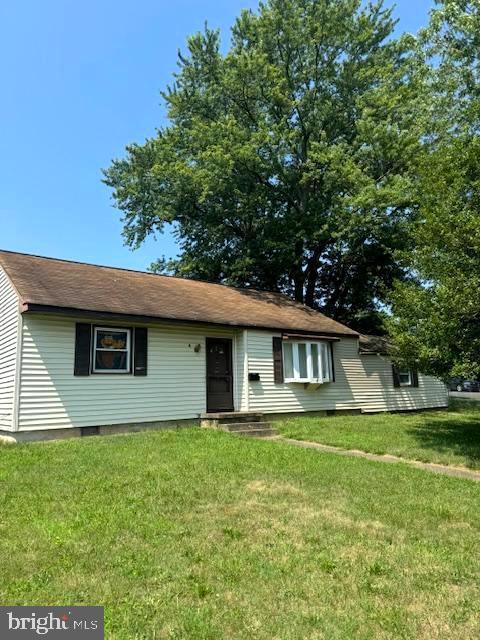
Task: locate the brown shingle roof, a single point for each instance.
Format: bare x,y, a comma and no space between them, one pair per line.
373,344
46,284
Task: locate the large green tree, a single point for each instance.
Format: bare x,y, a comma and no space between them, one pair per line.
286,163
436,320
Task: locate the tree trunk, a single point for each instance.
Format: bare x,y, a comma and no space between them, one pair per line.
312,276
298,288
298,275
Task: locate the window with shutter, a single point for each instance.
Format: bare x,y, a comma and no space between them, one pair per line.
307,362
110,350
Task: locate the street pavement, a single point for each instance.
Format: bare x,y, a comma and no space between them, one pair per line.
465,395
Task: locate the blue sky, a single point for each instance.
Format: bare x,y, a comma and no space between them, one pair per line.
80,80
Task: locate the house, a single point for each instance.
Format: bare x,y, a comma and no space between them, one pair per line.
89,348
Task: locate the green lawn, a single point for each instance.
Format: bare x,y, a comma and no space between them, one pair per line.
448,437
199,534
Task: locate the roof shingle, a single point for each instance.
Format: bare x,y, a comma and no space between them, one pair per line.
54,285
373,344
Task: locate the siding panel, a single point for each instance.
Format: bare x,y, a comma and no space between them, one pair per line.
9,320
378,393
174,389
240,369
361,382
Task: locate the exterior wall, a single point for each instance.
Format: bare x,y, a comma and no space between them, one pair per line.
51,397
240,370
361,382
374,386
9,327
269,397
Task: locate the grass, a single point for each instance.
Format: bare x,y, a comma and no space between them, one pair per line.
198,534
447,437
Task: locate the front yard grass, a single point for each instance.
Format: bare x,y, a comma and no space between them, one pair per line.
447,437
197,534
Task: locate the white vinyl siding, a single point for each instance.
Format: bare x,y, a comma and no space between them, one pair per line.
240,370
52,397
9,327
361,382
375,386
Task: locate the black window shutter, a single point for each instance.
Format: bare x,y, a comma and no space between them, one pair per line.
140,351
277,360
332,361
83,349
414,374
396,379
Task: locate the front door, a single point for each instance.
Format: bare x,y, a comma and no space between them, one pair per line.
219,375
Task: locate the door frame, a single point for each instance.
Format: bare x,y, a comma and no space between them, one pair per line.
230,343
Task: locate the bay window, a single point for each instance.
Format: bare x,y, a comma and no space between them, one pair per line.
307,362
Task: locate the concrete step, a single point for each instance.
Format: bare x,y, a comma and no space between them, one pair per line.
256,433
231,414
215,419
244,426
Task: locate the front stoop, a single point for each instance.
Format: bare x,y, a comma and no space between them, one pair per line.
241,423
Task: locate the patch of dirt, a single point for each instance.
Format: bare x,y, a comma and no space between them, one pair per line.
273,488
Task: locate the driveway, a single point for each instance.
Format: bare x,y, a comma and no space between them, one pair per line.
465,395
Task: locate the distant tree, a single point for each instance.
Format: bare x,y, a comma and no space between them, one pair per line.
287,162
436,320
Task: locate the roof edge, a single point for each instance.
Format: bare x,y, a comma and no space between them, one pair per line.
28,307
14,286
373,345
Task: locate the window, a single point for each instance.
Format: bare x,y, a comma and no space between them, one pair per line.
307,362
288,360
111,350
405,378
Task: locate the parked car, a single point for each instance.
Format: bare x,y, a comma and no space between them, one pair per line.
460,384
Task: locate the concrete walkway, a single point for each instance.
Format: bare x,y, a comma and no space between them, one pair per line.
456,472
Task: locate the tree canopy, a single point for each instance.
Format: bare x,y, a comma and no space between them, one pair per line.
436,322
288,163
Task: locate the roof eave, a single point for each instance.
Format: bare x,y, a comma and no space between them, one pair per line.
31,307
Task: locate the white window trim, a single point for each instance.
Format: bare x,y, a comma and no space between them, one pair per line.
323,352
127,350
410,381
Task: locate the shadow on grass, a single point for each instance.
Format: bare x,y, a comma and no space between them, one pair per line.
457,431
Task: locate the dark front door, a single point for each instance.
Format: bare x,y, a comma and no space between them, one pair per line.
219,375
